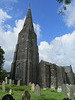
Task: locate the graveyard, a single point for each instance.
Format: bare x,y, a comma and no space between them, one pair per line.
45,94
32,78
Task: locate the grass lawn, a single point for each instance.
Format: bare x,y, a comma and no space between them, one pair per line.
19,90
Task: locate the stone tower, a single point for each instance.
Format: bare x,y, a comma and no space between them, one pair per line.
26,58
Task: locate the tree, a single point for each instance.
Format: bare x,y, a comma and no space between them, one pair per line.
3,74
65,3
1,59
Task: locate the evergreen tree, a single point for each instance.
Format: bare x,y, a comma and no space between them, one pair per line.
1,60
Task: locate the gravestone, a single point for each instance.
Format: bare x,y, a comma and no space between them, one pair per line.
59,89
52,87
6,80
71,93
30,84
10,91
74,89
64,88
3,86
10,81
37,90
26,96
33,87
44,88
68,90
18,83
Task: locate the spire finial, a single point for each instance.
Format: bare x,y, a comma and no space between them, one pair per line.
29,5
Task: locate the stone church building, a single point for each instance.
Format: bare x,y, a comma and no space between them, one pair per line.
26,67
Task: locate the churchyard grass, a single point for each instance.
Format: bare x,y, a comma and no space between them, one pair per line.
19,90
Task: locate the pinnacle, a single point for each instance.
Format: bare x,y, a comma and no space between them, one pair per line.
29,7
28,22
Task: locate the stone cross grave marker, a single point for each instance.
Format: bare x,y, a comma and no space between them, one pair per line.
18,83
37,90
10,81
33,87
3,86
6,80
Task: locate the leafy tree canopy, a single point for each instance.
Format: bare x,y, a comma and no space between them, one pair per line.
65,2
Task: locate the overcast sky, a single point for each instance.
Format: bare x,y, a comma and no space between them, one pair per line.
56,33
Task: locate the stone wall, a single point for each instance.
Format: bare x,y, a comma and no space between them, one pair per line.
51,75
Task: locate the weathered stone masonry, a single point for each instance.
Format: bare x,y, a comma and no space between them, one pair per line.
26,67
26,57
53,75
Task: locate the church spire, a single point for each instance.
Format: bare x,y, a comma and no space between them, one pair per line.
28,22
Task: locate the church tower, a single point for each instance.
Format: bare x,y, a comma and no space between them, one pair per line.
26,58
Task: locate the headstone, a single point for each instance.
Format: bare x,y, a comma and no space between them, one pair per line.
71,93
59,89
74,89
53,88
10,91
68,90
10,81
3,86
6,80
64,88
44,88
33,87
26,96
18,83
30,84
37,90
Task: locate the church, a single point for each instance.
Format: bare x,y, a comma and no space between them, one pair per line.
26,66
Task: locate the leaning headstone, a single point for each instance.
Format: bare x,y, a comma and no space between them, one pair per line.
52,88
6,80
37,90
10,81
33,87
71,93
3,86
26,96
10,91
59,89
18,83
